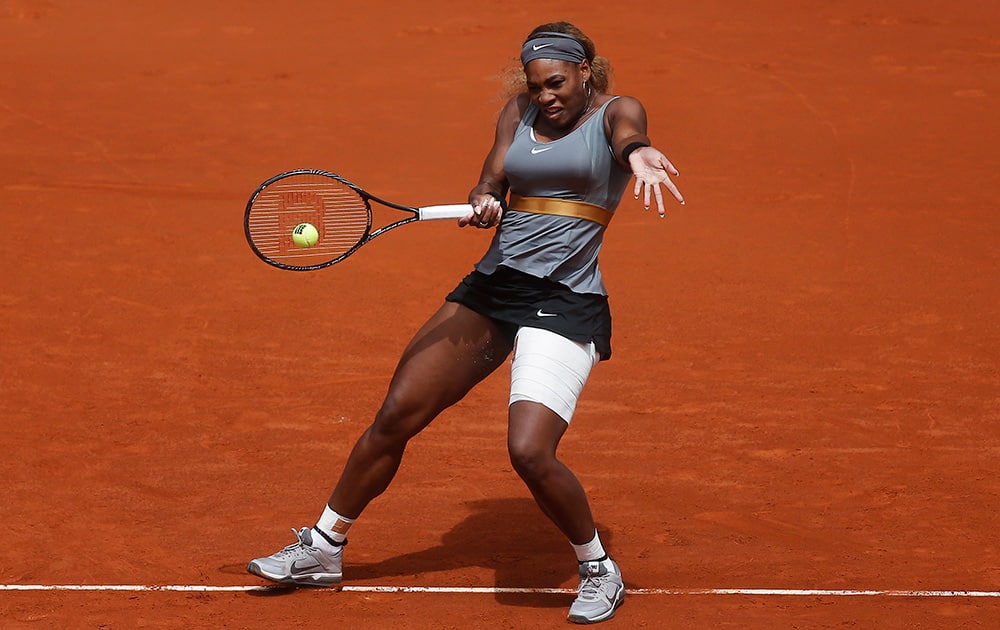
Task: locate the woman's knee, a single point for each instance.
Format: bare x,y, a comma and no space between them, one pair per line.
533,434
399,419
531,461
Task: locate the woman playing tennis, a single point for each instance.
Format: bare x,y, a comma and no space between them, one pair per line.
565,151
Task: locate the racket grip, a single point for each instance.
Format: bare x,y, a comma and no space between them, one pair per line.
456,211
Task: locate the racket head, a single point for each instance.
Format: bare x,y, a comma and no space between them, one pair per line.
339,210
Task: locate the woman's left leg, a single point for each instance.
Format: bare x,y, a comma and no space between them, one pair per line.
547,375
533,435
548,372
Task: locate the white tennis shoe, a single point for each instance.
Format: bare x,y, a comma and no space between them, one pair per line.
602,591
301,563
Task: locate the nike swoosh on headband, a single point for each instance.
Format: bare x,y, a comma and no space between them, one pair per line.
540,46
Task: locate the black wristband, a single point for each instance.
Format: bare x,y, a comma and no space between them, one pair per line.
630,147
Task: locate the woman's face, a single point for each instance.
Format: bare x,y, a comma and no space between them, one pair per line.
556,87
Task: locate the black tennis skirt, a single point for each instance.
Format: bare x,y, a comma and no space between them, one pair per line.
513,299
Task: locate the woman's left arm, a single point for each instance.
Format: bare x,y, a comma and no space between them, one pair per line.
633,149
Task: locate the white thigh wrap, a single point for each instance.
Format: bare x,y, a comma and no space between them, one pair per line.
550,369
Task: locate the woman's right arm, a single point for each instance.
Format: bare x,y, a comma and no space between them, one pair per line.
484,197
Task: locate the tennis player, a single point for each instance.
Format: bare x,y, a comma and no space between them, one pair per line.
565,150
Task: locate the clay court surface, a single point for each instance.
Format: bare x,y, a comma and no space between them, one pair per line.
805,392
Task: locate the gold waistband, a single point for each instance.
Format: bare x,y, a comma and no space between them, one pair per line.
562,208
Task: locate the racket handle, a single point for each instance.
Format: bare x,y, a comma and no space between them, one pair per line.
456,211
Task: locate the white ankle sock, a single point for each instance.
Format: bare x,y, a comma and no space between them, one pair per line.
593,550
334,527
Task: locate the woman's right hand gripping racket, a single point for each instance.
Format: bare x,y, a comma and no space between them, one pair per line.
340,212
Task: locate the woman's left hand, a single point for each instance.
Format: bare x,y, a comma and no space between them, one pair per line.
651,168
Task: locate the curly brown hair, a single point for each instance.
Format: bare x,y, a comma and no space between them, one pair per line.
600,68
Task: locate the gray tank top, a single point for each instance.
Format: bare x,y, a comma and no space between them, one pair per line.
580,167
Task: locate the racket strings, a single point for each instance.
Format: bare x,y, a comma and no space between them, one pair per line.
340,215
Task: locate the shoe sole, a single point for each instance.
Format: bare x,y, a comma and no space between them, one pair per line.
315,579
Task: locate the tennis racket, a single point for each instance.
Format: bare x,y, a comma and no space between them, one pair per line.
340,211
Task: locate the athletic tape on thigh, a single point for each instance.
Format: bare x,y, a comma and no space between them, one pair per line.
550,369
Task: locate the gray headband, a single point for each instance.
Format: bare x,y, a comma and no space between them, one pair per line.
548,45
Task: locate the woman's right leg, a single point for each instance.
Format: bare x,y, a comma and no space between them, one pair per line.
455,350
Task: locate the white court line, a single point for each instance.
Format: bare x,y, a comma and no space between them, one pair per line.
773,592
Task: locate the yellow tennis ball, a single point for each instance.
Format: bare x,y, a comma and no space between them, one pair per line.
305,235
